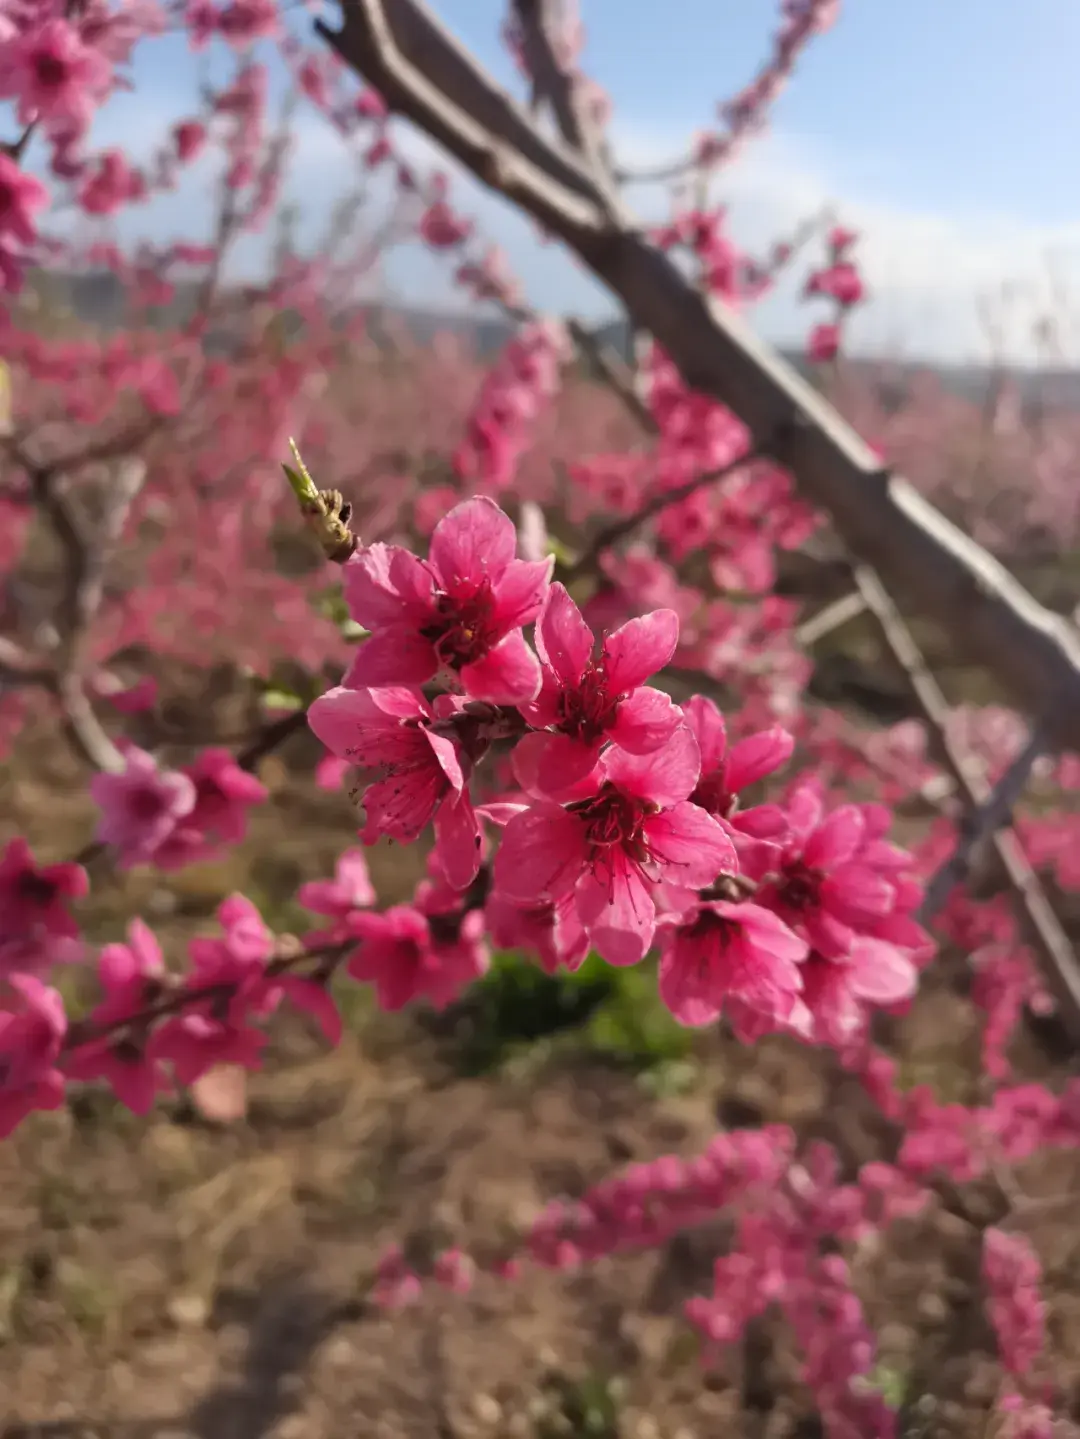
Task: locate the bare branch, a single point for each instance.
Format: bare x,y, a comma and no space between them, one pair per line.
489,133
562,93
1047,937
830,619
981,821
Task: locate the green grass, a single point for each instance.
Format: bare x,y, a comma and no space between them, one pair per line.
613,1012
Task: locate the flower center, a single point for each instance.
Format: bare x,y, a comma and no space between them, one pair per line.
585,713
712,795
614,820
51,71
465,628
35,889
145,804
800,887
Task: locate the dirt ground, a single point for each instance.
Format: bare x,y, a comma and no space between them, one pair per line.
174,1280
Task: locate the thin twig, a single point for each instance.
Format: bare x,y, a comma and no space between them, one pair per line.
981,821
613,533
1046,935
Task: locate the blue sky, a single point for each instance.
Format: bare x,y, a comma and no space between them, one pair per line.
943,129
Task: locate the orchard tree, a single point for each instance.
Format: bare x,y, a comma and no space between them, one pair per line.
574,684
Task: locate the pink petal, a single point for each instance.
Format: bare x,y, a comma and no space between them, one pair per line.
387,585
645,720
880,973
509,674
520,591
546,708
314,999
449,761
500,812
836,839
340,716
858,894
693,848
709,729
664,777
541,855
457,841
757,756
554,765
474,541
394,656
640,648
617,910
684,989
563,640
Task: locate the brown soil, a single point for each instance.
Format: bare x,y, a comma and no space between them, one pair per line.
174,1280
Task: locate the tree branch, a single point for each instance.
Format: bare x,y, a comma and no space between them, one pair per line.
1032,652
1046,935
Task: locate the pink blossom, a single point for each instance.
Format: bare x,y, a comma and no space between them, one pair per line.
109,186
350,889
821,886
411,772
36,930
131,977
1012,1274
21,196
630,828
227,986
585,702
461,610
408,955
141,806
719,950
189,137
840,282
31,1033
727,771
551,930
54,76
837,993
442,229
223,794
824,343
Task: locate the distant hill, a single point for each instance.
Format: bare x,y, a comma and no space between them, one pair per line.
98,298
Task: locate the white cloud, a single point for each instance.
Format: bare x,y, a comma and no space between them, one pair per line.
931,275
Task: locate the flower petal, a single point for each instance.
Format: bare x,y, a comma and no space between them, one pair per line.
554,765
617,910
457,841
757,756
564,641
707,724
475,541
509,674
639,649
387,585
395,656
541,855
645,720
692,846
519,592
664,777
